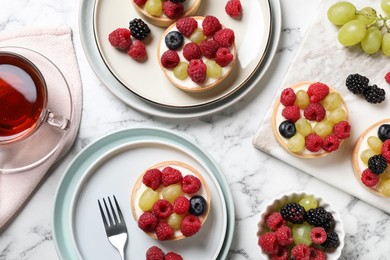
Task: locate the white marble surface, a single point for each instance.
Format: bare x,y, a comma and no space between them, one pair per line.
254,177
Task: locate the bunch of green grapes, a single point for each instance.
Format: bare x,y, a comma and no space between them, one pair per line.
365,26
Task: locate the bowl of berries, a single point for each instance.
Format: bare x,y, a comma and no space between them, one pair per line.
300,225
170,201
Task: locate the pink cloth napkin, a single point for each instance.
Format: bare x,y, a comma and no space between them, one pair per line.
55,44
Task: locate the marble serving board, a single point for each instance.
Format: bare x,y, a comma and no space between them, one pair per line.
322,58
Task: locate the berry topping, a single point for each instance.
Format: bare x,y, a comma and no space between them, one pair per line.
198,205
154,253
284,236
223,56
148,221
384,132
317,216
342,130
174,40
173,256
318,235
317,254
137,51
291,113
120,38
171,176
190,225
170,59
140,2
293,212
387,77
225,37
374,94
282,254
313,142
385,150
181,205
314,112
152,178
287,129
172,10
332,240
210,25
191,51
377,164
275,221
269,243
356,83
331,143
164,231
186,26
300,251
233,8
162,208
287,97
139,29
209,48
191,184
369,178
197,71
317,92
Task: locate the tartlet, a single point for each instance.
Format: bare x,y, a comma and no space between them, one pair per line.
185,169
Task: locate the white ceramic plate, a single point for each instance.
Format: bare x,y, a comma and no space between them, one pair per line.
109,167
147,80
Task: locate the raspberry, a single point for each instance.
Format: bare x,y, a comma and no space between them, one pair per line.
275,221
190,184
225,37
223,57
292,113
140,2
120,38
386,150
233,8
173,256
284,236
387,77
148,221
318,235
210,25
186,26
162,208
269,243
170,59
152,178
154,253
377,164
293,212
181,205
137,51
209,48
191,51
171,176
314,112
190,225
342,130
301,251
317,92
287,97
164,231
282,254
173,10
197,71
317,254
313,142
331,143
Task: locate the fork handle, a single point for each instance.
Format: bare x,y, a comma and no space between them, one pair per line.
119,243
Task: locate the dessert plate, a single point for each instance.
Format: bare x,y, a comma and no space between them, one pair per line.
110,166
28,153
147,80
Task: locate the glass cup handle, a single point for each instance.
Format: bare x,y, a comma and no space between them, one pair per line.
57,121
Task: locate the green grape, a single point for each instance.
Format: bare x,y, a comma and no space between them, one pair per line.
385,188
302,99
386,44
174,220
303,126
372,42
337,115
341,13
154,7
180,71
352,33
197,36
301,233
375,144
308,202
365,155
171,192
213,69
147,199
332,101
367,15
323,128
296,143
385,5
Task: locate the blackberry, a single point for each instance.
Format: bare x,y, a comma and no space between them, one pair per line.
377,164
293,212
374,95
356,83
139,29
329,224
317,216
332,240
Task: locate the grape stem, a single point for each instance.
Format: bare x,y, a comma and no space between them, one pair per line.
382,19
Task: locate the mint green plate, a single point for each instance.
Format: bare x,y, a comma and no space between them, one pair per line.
110,166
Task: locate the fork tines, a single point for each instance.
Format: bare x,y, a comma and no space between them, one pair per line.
112,215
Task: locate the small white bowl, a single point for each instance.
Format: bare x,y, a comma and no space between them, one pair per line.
284,198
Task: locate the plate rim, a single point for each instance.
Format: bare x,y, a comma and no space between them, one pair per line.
63,248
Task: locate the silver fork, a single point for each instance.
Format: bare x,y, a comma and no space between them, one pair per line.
115,228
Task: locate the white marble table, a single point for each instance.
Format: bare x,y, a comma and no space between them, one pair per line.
252,175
